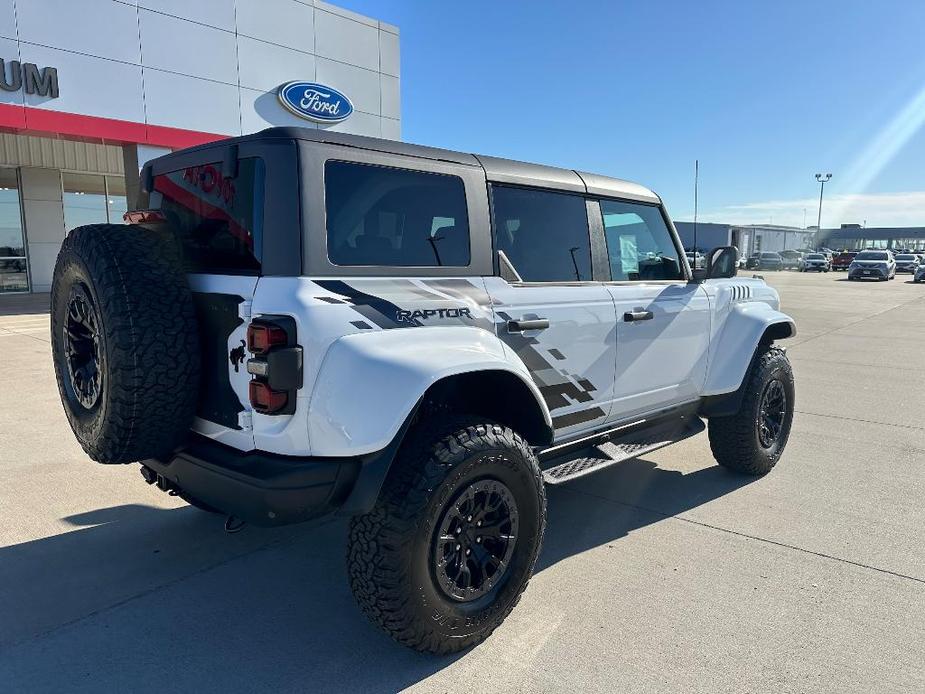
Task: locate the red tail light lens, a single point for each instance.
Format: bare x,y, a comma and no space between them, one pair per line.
265,400
263,336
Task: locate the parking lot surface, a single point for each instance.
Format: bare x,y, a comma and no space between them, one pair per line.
664,573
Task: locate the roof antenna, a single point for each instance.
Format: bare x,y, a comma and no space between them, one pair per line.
696,182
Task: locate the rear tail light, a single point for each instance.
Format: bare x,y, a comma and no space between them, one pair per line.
276,366
262,337
265,400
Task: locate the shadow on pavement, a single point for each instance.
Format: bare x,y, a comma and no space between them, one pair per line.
178,603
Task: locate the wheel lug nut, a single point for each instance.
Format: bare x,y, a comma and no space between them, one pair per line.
479,523
468,519
478,539
458,547
468,552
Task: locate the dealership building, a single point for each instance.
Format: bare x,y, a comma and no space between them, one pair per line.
91,90
748,238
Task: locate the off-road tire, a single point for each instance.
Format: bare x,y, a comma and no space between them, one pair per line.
734,439
148,347
390,549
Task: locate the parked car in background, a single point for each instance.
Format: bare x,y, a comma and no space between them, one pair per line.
843,260
769,260
791,259
815,262
907,262
694,259
878,265
919,275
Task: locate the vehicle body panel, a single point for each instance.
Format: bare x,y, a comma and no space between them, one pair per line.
662,361
571,361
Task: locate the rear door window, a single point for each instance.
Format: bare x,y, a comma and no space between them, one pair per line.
218,220
543,233
384,216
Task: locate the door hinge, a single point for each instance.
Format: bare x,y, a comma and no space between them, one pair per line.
245,420
244,310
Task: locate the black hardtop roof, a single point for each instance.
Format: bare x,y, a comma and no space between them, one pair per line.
496,169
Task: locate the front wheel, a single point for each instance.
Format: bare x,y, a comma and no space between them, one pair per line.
448,549
752,440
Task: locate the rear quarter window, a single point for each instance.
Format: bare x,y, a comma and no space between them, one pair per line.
384,216
218,221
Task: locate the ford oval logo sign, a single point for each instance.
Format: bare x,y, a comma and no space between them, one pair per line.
316,102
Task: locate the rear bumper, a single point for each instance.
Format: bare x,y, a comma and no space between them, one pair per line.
260,488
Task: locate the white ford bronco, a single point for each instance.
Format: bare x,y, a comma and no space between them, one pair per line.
300,322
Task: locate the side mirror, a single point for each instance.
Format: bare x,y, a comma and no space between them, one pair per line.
723,262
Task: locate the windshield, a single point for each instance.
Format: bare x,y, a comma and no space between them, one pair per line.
815,256
905,256
769,255
871,255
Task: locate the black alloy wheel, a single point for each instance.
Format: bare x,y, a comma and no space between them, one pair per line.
771,413
475,540
82,341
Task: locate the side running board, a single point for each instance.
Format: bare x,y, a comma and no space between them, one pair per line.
579,463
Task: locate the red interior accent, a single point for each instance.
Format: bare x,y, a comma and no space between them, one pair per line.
144,217
266,400
29,120
262,336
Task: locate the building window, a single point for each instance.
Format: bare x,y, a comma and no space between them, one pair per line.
84,199
117,203
93,199
13,273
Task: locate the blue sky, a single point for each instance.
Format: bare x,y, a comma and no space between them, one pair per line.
765,94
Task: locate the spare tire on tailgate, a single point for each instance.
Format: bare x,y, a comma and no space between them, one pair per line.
124,341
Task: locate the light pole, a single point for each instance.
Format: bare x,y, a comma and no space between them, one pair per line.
822,181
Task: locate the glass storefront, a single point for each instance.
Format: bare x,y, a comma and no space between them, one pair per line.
92,199
13,265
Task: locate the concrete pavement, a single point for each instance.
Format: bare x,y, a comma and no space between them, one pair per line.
662,574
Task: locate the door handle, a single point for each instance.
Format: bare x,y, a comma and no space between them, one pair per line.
631,316
519,326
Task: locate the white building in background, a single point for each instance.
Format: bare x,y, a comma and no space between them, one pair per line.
748,238
91,89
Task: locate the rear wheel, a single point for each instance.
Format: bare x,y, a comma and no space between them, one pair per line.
752,440
448,549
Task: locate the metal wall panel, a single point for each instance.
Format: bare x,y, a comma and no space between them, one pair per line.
48,153
210,66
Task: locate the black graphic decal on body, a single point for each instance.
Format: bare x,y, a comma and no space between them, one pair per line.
556,386
400,303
